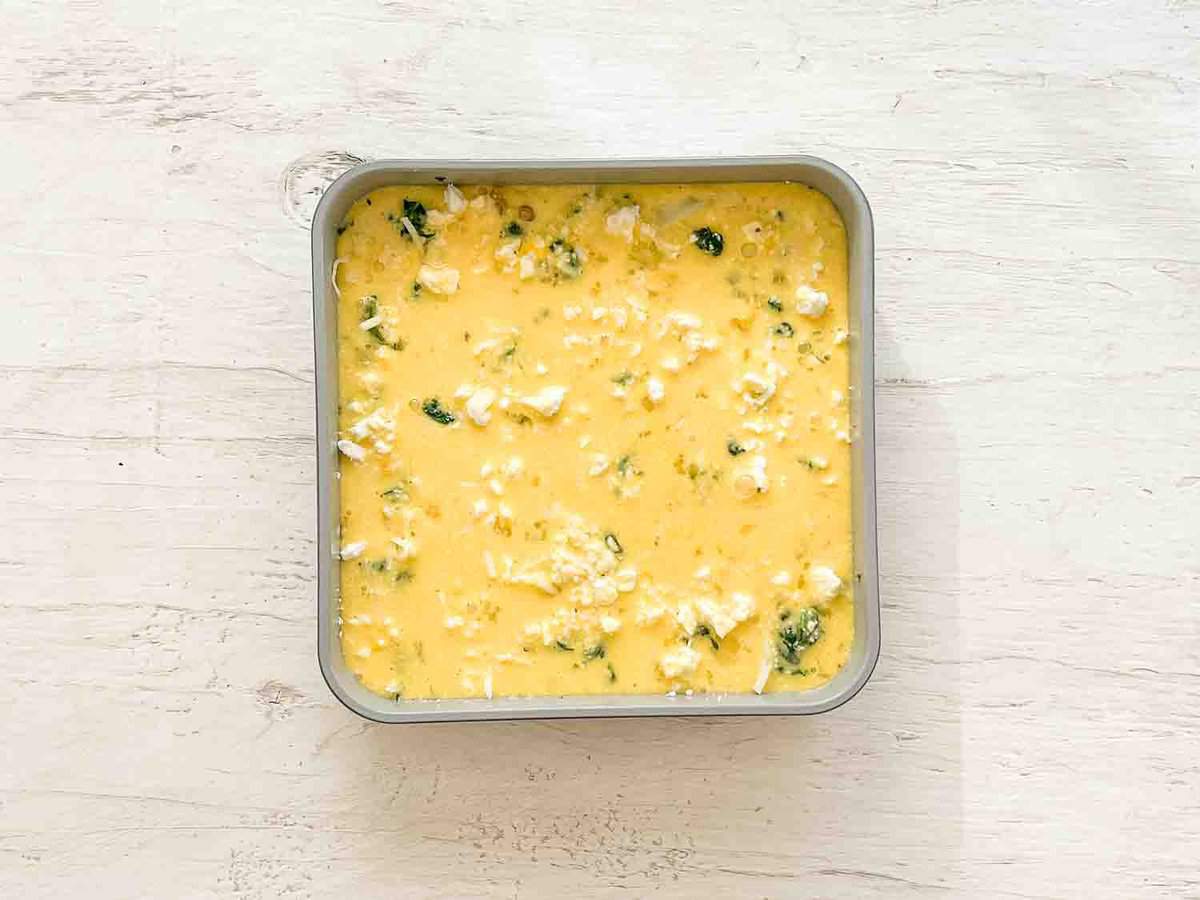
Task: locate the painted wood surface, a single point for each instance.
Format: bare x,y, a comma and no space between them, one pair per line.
1033,729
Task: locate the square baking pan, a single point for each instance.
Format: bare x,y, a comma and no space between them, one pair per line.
850,202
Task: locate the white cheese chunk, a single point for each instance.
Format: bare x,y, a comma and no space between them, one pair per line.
811,302
439,279
456,203
825,582
655,390
547,401
352,450
622,222
406,548
353,550
680,661
479,406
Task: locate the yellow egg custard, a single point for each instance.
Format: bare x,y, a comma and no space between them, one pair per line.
594,439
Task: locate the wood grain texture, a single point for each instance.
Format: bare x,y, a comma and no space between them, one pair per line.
1033,729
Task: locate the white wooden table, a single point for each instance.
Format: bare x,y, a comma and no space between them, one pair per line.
1033,728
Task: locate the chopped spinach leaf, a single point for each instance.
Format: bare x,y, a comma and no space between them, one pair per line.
596,652
623,378
513,229
370,309
709,241
563,645
734,448
784,329
414,211
612,673
797,632
434,409
775,303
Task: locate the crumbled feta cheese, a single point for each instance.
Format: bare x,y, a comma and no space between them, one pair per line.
622,222
514,466
836,397
702,573
751,479
528,267
782,578
540,368
496,487
755,389
610,624
364,652
353,550
489,563
479,406
584,441
547,401
455,201
810,302
671,363
507,254
840,336
406,548
625,579
352,450
679,661
453,622
817,462
373,322
572,312
825,582
599,464
722,616
479,508
655,390
439,279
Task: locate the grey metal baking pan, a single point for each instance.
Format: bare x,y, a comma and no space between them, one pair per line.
856,213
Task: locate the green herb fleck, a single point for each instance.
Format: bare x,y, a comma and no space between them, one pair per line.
784,329
596,652
513,229
804,347
414,211
415,290
404,576
434,409
612,673
797,632
398,494
626,467
775,303
705,632
370,309
563,645
377,565
711,242
734,448
623,378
